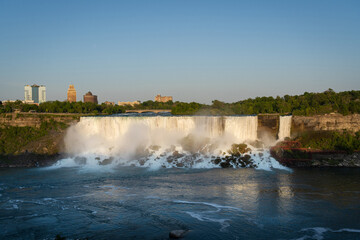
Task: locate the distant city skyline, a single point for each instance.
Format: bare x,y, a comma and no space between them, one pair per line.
192,50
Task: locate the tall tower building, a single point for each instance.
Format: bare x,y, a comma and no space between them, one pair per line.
35,93
71,94
42,94
28,93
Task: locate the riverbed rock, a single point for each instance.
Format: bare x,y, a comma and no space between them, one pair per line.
175,234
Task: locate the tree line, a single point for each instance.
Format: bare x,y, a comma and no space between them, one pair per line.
62,107
307,104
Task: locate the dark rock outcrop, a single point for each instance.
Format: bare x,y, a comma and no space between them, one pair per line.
175,234
28,160
294,156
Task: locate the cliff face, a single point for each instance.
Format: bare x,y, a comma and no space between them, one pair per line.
328,122
43,151
35,119
268,125
25,141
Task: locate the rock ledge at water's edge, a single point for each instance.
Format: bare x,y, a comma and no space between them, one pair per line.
294,156
28,160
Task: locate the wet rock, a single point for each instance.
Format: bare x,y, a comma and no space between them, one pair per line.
257,144
176,154
80,160
177,233
180,164
246,158
225,164
154,147
216,161
106,161
142,161
238,149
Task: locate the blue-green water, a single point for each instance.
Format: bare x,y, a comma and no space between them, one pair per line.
137,203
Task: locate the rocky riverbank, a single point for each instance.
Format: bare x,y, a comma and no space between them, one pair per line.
28,160
291,154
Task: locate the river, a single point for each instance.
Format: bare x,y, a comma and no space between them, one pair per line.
139,203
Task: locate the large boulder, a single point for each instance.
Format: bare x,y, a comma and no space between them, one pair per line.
175,234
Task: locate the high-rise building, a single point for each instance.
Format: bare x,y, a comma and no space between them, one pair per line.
42,94
28,93
71,94
88,97
35,94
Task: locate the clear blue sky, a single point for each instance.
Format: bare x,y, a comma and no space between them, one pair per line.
190,49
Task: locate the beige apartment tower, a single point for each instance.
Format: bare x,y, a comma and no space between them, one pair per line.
71,94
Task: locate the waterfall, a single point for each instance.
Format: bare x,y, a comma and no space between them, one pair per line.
285,127
113,135
164,141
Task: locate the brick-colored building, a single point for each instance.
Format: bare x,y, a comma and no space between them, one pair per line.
89,97
159,98
71,94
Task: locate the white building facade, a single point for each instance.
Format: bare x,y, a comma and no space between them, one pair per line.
28,93
34,94
42,94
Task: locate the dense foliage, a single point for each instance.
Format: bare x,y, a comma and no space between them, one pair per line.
306,104
13,138
328,140
62,107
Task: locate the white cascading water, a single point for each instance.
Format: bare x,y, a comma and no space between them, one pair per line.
284,127
160,141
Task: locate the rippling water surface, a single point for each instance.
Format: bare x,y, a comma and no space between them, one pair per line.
137,203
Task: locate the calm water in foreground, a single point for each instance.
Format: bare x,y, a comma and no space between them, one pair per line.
137,203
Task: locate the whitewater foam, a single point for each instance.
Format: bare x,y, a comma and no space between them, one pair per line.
318,232
224,222
217,206
204,216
